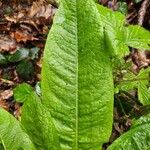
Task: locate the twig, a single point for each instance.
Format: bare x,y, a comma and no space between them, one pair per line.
142,12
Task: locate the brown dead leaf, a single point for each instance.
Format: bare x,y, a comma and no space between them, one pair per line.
37,10
4,81
41,10
118,127
4,104
23,36
7,43
17,112
4,95
19,13
140,59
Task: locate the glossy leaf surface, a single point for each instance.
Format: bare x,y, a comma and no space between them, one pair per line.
36,120
77,85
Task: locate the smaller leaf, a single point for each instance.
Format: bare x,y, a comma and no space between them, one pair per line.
37,121
22,92
128,82
118,36
34,53
143,94
25,70
137,1
140,81
18,55
123,8
137,138
12,136
144,75
3,60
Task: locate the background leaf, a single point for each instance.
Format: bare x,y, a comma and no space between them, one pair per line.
143,94
20,54
140,81
123,7
22,92
12,136
25,69
137,138
34,53
3,60
119,36
137,37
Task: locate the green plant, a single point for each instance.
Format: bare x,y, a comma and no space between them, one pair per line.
12,136
137,138
75,110
138,81
119,36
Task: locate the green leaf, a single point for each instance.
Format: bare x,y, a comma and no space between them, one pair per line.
140,81
77,82
137,138
25,69
34,53
12,136
137,1
129,82
22,92
3,60
137,37
118,36
37,121
143,91
19,55
143,94
123,8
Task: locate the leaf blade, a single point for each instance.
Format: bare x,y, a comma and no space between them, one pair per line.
76,97
11,131
119,36
36,120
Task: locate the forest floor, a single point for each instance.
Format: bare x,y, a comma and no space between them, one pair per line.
24,26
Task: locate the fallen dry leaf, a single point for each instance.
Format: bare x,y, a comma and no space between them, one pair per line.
140,59
37,10
4,104
17,112
4,95
23,36
7,43
41,10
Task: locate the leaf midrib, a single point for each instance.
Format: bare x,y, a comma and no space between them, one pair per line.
77,79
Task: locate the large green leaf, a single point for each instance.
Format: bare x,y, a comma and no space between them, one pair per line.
137,138
36,119
77,83
119,36
12,136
